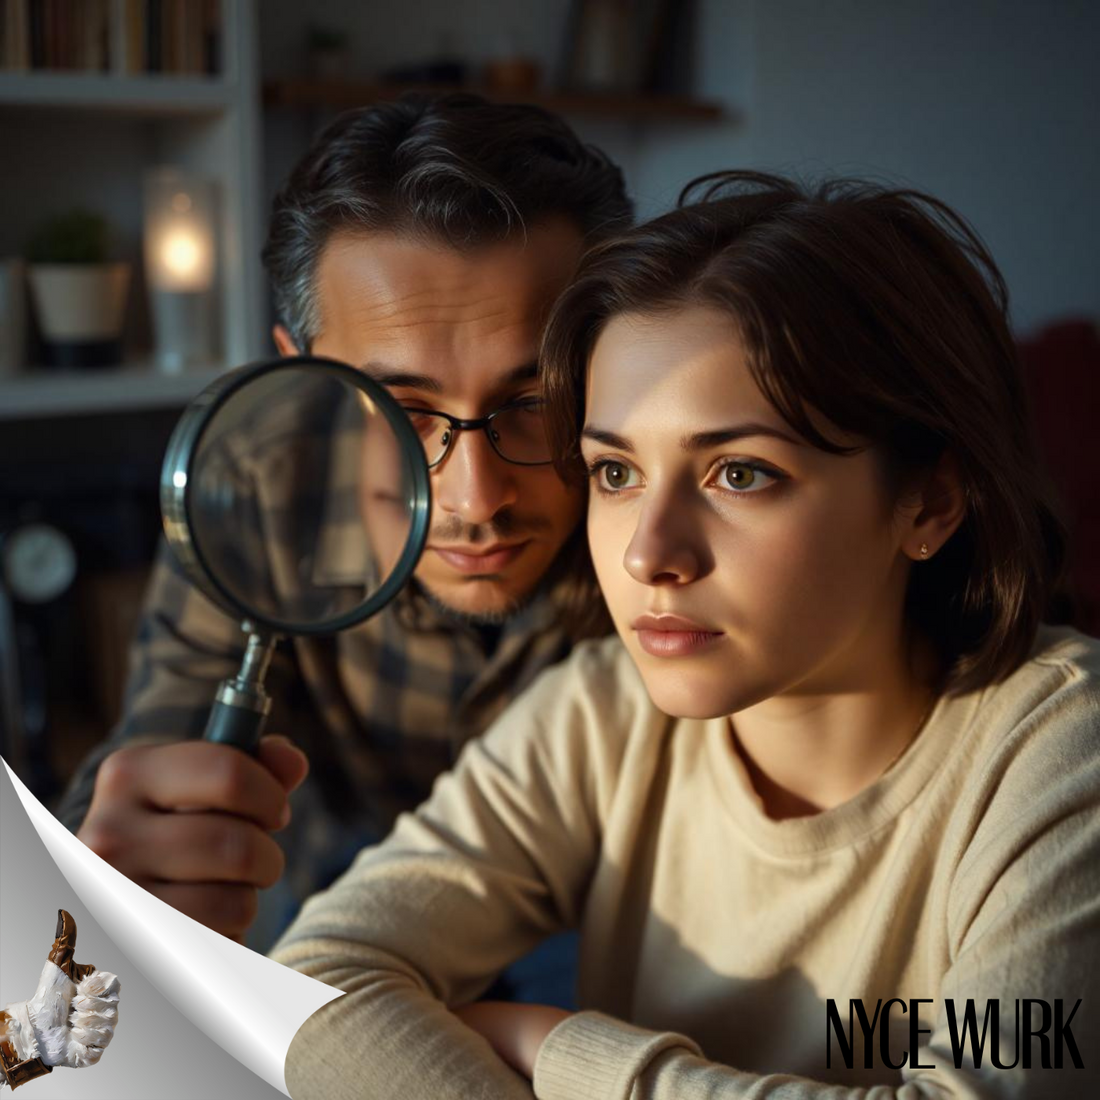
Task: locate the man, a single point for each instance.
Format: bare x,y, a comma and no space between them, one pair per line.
422,241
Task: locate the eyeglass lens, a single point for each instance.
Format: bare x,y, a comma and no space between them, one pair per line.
517,433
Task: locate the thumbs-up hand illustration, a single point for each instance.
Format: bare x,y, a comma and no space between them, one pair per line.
68,1022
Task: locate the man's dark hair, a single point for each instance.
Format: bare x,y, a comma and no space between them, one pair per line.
453,168
882,310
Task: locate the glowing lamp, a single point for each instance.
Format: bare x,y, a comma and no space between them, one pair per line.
180,266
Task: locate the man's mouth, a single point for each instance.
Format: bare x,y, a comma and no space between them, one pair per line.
475,560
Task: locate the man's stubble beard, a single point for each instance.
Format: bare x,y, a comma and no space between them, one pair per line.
498,617
506,525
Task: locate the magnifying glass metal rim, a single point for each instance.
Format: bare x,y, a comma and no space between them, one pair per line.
175,479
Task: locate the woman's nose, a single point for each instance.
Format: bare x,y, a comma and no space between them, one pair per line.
667,546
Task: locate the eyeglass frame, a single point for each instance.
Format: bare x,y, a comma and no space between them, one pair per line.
457,424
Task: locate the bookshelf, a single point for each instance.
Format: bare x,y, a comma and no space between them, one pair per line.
638,107
88,130
133,386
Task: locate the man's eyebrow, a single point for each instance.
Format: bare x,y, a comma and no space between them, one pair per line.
386,375
697,441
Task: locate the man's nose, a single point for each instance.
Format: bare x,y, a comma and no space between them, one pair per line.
473,481
668,546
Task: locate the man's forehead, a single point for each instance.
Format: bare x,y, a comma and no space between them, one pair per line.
428,380
426,316
386,278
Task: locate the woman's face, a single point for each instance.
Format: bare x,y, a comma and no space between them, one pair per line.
739,563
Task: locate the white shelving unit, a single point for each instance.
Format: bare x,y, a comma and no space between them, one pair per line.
87,140
55,393
126,95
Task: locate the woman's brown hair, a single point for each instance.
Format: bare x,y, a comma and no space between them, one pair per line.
883,311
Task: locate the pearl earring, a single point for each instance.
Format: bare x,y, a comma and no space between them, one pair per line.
924,549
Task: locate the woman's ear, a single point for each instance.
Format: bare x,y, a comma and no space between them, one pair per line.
281,335
940,508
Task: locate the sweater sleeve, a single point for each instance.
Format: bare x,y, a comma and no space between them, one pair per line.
1023,913
496,860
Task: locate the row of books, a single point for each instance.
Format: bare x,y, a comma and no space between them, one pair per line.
121,36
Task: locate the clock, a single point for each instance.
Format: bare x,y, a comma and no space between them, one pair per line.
37,567
39,562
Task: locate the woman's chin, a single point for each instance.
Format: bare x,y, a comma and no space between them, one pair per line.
682,695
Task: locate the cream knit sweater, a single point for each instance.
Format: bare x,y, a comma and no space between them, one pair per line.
712,937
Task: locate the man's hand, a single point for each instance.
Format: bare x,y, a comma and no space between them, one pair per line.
514,1031
191,823
68,1022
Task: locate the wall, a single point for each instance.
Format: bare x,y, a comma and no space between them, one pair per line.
992,106
989,104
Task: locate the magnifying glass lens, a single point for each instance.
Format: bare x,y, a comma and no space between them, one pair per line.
300,498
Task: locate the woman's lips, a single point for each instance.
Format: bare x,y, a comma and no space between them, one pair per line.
673,636
489,560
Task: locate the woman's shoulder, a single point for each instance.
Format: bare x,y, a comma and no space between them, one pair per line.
588,716
1023,818
1057,687
598,675
1037,732
1075,656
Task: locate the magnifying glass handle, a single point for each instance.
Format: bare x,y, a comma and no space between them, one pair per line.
241,706
236,725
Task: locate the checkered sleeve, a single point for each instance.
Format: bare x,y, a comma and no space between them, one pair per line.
184,647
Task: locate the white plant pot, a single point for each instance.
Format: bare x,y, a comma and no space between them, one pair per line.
80,310
80,303
13,313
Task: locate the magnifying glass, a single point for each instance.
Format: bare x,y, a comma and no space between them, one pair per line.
295,494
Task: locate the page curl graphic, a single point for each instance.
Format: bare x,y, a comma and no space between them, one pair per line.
245,1002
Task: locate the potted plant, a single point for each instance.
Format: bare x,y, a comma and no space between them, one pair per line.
329,52
79,294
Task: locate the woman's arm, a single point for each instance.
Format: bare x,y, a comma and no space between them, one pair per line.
495,861
1023,916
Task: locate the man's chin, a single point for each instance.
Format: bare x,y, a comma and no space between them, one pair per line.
486,601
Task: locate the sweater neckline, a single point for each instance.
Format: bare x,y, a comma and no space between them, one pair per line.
872,808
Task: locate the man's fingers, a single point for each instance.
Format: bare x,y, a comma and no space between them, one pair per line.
284,760
225,907
199,847
192,775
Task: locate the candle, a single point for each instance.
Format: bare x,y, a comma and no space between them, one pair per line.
180,264
179,237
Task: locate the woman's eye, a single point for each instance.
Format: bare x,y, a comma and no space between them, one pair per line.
744,477
611,476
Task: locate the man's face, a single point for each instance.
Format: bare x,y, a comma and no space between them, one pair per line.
458,332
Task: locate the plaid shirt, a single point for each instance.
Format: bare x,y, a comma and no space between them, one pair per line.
380,709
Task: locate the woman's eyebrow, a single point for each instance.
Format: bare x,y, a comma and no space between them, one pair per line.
696,441
704,441
609,439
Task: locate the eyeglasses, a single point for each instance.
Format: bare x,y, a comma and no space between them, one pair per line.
517,432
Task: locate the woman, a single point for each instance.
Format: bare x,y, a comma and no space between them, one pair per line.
831,760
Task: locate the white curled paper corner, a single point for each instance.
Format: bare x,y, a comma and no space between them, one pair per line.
248,1004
